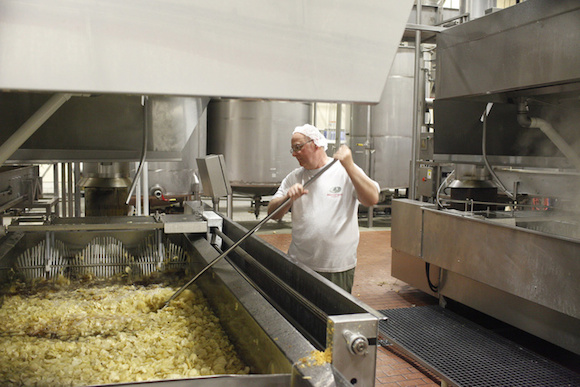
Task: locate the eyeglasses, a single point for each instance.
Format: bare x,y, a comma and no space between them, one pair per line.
298,147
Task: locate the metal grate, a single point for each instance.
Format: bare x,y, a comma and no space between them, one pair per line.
43,261
102,257
158,255
466,354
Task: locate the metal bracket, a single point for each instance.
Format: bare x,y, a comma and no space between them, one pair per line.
353,339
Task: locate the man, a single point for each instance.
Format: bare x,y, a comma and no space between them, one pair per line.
325,216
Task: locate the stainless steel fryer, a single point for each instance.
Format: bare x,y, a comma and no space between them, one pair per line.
274,311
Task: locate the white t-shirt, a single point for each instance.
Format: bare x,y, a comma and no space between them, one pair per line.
324,221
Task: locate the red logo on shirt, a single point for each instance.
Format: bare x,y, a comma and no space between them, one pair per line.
334,192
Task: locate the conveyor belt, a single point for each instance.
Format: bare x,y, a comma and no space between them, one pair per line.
465,354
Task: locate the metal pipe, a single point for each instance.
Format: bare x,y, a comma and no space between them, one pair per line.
55,187
370,209
63,189
534,122
230,209
70,193
77,174
137,192
31,125
143,149
416,105
522,113
145,191
313,113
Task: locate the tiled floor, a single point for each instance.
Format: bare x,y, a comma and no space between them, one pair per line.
375,287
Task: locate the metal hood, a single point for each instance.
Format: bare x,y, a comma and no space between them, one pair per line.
104,127
315,50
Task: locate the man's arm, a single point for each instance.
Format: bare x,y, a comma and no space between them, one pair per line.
293,193
365,188
275,203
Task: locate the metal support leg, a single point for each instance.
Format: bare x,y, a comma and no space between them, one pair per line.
77,189
55,188
145,191
70,192
137,192
63,194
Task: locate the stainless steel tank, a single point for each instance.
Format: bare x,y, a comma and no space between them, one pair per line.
179,179
282,345
254,137
391,127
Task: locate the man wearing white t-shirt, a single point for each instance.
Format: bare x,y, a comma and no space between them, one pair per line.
325,216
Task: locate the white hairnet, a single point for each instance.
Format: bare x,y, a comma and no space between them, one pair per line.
312,132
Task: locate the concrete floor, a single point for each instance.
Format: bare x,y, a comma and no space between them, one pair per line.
373,285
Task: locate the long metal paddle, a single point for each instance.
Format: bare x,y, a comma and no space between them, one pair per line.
248,234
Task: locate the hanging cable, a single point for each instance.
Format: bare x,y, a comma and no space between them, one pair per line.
144,100
433,288
443,184
484,153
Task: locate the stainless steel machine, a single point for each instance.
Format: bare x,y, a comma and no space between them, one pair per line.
502,232
118,83
276,313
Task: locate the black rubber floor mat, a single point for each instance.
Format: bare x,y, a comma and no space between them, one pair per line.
465,354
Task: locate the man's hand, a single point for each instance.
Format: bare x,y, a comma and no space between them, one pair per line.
344,155
293,193
366,191
296,191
